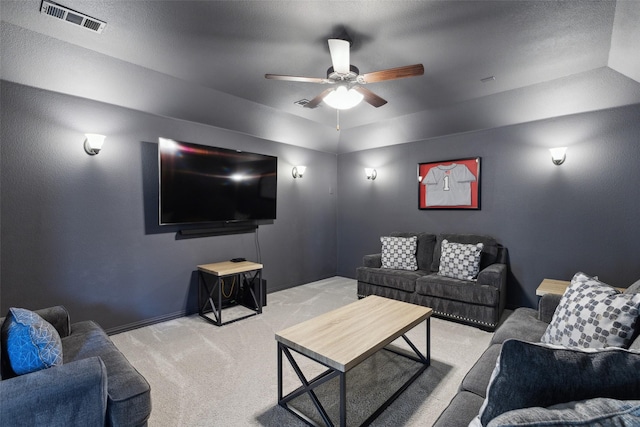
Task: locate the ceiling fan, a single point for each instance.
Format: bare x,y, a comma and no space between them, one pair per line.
346,81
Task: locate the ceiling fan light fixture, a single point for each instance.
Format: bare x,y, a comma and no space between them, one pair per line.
343,99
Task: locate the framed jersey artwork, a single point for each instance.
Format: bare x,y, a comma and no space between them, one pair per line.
451,184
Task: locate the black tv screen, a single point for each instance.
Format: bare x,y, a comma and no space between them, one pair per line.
202,184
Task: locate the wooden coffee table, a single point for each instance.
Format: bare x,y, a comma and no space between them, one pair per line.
343,338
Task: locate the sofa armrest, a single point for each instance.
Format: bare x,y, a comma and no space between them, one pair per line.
373,261
494,275
71,394
58,316
547,306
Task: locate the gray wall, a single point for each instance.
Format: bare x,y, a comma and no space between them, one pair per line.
555,220
82,230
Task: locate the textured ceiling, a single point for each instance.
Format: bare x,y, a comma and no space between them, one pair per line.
155,55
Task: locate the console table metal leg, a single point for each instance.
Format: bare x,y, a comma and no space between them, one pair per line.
260,296
218,308
209,299
250,282
279,372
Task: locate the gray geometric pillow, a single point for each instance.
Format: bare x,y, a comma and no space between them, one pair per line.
459,260
592,314
399,252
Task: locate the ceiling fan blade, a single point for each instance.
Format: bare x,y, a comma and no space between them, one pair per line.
371,97
393,73
297,78
339,50
318,99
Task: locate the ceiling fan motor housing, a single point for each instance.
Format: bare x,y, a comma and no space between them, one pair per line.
354,72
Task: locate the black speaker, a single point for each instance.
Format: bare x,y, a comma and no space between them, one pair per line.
247,299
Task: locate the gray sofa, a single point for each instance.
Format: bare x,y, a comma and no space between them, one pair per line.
523,326
95,385
479,303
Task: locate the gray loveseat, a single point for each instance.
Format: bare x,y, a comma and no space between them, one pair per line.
523,327
95,385
477,302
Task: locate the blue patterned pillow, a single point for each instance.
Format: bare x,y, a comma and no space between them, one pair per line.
32,343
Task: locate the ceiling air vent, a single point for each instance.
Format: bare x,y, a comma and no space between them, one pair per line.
61,12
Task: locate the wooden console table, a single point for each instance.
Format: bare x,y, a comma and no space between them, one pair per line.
224,269
552,286
557,287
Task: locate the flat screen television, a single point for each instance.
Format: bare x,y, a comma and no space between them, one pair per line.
202,184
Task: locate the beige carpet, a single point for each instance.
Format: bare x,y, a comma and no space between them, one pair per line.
203,375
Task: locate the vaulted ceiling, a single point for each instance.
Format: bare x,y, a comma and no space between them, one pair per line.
205,61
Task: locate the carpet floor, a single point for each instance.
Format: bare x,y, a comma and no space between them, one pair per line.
204,375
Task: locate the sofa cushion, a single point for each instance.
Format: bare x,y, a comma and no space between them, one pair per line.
31,342
398,279
592,314
458,290
489,250
462,408
477,379
592,412
426,245
460,260
129,398
538,375
399,252
522,324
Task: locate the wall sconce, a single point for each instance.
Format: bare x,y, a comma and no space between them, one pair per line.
298,171
371,173
93,143
558,155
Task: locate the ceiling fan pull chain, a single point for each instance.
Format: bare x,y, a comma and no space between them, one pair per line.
338,120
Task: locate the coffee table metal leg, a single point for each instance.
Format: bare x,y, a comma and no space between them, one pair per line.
428,340
307,387
343,399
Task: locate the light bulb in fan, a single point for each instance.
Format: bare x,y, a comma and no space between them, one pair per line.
343,98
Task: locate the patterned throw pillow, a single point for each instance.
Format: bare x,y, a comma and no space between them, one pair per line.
592,314
32,343
399,252
459,260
